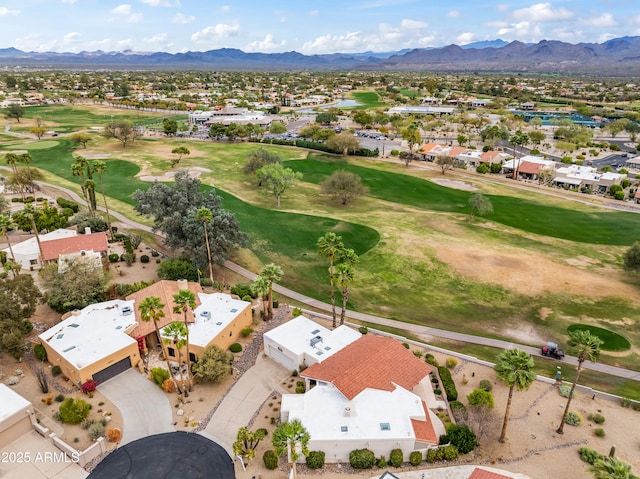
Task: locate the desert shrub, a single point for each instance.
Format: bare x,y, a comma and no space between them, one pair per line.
599,432
144,258
154,253
406,345
40,352
169,386
394,152
96,430
113,258
483,168
363,330
65,203
625,402
89,386
60,398
73,411
159,376
87,423
418,354
276,303
437,392
431,359
448,384
451,363
382,462
246,332
396,457
244,298
270,459
362,459
589,455
242,290
296,312
495,167
565,390
573,418
300,387
462,437
486,385
415,458
449,453
636,406
235,348
431,455
597,418
315,459
56,371
114,434
459,411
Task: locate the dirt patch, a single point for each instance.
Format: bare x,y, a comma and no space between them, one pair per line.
543,313
528,273
193,172
455,184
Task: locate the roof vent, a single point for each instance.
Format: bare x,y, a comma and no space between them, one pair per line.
205,314
349,410
315,340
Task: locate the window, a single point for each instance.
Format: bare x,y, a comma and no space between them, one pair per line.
192,358
230,333
344,429
384,426
171,352
33,261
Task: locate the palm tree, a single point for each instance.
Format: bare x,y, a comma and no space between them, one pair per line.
518,139
272,273
515,369
30,212
184,300
5,225
260,287
12,159
205,216
77,169
151,309
586,346
99,167
176,333
611,468
345,274
291,437
26,159
90,187
329,246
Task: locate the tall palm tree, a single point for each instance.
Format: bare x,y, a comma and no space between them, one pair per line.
84,164
26,159
204,215
184,300
78,170
176,333
344,275
329,246
12,159
90,187
518,139
292,438
152,309
611,468
5,225
515,369
272,273
586,346
260,287
99,167
30,212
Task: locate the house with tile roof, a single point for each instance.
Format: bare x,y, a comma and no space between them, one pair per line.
373,393
28,253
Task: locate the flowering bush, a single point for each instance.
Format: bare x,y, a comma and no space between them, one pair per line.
89,386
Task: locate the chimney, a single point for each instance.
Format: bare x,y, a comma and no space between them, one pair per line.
87,230
349,410
183,284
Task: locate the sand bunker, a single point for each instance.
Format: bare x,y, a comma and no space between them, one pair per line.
193,172
458,185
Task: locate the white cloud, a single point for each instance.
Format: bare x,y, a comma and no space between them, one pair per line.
71,37
158,38
314,13
69,1
134,18
182,18
523,31
608,36
454,14
5,11
123,9
604,20
225,8
265,45
162,3
542,12
502,7
464,38
211,34
412,24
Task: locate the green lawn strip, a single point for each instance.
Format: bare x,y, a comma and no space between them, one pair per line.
610,341
369,99
596,226
409,93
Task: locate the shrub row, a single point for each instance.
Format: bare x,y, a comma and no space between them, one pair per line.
448,384
312,145
65,203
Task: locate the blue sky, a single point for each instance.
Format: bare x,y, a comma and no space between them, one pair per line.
308,27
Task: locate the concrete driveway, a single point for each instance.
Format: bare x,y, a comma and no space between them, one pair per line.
243,400
145,408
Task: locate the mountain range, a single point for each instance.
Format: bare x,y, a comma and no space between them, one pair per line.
616,57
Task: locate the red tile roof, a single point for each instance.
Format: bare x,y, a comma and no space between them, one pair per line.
455,151
51,250
370,362
530,168
424,429
484,474
428,147
164,290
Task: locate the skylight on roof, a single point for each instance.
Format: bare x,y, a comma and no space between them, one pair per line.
344,428
234,310
315,331
385,426
68,349
219,323
319,353
59,336
73,325
119,327
327,348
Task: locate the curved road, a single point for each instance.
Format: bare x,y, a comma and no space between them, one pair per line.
369,318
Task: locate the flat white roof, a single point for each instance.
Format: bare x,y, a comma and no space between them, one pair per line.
31,245
296,335
322,412
216,312
98,331
11,403
531,159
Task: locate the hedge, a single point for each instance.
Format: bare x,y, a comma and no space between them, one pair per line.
362,459
396,457
448,384
315,460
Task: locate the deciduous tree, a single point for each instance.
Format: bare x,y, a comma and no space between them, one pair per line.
180,151
78,286
15,111
213,365
631,258
122,130
277,179
343,186
80,138
480,205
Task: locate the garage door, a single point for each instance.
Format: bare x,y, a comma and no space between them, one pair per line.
282,358
113,370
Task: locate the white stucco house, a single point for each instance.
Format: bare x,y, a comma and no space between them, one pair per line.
300,343
374,394
27,252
